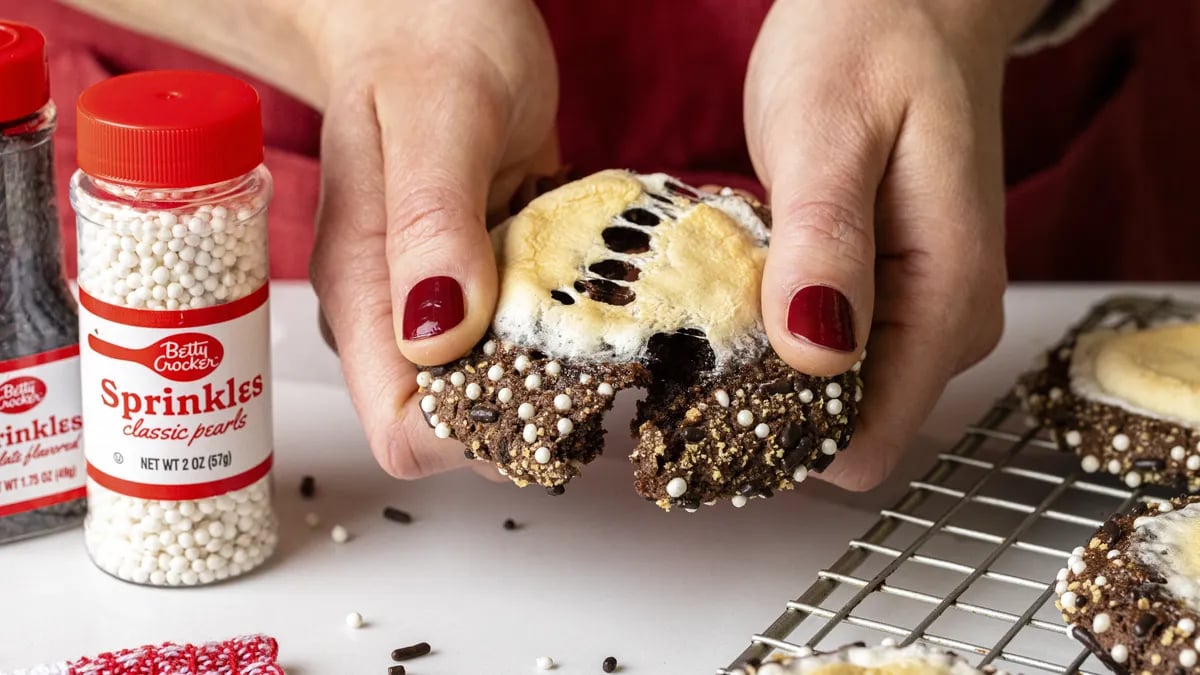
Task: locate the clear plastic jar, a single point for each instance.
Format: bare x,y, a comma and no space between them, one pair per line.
41,459
171,204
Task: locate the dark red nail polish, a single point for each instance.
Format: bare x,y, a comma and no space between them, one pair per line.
822,316
434,306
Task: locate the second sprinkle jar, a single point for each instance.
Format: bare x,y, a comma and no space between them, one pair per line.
171,198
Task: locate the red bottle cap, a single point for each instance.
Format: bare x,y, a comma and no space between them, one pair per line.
169,128
24,75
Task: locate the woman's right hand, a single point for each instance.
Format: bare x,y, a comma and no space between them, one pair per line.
434,113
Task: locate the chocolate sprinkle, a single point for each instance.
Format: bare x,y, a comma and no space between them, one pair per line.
411,651
1145,625
396,670
510,524
563,297
396,515
609,665
484,414
791,436
692,434
308,487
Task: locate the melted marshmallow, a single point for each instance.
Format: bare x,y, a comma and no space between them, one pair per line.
1169,543
703,271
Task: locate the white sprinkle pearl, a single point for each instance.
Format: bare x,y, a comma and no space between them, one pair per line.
474,391
762,430
438,386
833,406
442,430
833,390
745,418
584,378
339,534
521,363
604,389
553,369
806,396
738,501
1101,623
495,373
1119,653
1193,463
1178,453
458,379
504,395
676,487
1187,658
829,446
544,663
542,455
525,411
423,379
1186,626
1120,442
562,402
529,433
1073,438
565,426
722,398
1114,466
1100,581
1068,600
1090,464
533,381
1078,566
429,403
354,620
800,474
489,348
1133,479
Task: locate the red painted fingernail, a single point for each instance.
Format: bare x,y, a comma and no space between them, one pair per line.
434,306
822,316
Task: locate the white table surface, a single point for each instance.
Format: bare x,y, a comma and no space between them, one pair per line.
595,572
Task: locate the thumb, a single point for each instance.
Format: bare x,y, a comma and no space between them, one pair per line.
819,279
440,155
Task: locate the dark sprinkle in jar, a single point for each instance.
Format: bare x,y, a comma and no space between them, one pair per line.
38,326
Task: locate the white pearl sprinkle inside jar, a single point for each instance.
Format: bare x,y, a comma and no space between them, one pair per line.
171,209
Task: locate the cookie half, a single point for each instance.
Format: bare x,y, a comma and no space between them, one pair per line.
915,659
1127,402
1132,595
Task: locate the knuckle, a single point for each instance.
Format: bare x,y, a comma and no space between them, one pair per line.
427,216
841,232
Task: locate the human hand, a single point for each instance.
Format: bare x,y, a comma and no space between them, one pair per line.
434,114
876,129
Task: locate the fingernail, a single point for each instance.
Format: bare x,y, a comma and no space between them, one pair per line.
434,306
822,316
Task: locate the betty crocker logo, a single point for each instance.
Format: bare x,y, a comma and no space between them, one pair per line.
183,357
21,394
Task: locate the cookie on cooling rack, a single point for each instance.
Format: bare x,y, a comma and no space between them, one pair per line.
620,280
1132,595
1125,401
915,659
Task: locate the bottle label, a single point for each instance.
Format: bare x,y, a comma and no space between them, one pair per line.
41,459
177,404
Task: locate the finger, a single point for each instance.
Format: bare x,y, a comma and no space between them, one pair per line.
823,164
441,147
350,276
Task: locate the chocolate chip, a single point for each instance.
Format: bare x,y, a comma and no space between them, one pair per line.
617,270
639,216
510,524
791,436
411,651
1146,624
679,357
660,198
626,240
562,297
822,462
766,493
781,386
609,665
603,290
682,190
484,414
536,355
396,515
556,490
468,454
795,457
1111,531
501,453
692,434
688,503
745,490
438,371
308,487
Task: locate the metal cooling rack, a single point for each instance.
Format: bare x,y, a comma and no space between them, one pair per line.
967,558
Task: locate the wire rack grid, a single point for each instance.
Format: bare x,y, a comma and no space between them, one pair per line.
967,558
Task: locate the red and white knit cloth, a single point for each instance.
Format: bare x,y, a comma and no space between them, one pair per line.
247,655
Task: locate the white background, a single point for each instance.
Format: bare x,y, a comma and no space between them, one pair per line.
595,572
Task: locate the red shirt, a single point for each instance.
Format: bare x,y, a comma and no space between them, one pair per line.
1101,133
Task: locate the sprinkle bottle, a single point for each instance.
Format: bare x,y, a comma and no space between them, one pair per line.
41,458
171,209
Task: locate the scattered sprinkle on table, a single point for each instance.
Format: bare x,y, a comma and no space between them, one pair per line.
545,663
411,651
312,520
354,620
396,670
339,534
308,487
510,524
396,515
609,665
